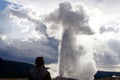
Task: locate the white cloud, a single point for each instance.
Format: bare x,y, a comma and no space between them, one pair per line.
23,35
3,37
38,6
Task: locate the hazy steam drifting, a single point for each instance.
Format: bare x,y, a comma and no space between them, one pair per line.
75,61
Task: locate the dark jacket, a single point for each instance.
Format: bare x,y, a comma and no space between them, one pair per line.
39,74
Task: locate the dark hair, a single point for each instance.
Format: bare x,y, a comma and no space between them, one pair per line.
39,61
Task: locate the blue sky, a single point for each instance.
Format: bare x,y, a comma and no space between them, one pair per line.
24,34
3,4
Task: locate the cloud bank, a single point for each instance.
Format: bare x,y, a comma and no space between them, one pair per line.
23,35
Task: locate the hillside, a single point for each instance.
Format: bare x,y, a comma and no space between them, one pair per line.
13,69
105,74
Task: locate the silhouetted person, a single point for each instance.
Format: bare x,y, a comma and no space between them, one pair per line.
39,72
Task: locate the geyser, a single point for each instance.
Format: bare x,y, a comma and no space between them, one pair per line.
74,59
75,62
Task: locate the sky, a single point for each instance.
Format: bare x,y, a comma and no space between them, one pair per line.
25,33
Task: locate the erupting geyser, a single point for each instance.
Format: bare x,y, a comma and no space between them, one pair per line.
74,62
74,59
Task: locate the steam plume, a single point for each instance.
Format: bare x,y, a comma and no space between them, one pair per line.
72,56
